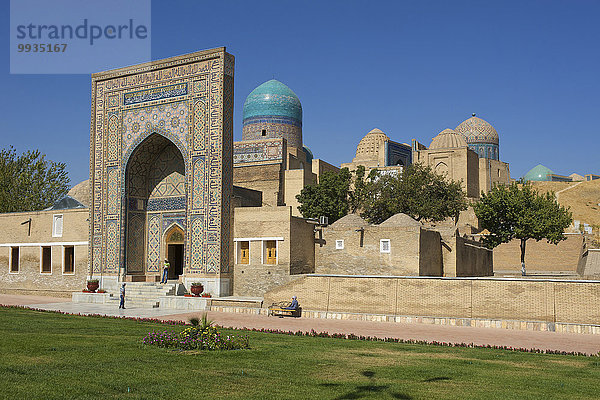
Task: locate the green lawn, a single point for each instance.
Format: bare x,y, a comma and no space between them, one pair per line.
48,355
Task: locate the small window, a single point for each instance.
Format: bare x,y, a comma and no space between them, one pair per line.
384,245
244,256
69,261
14,259
57,225
46,260
271,252
339,245
498,173
264,132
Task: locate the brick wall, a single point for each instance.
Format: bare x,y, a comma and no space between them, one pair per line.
354,259
267,179
295,253
540,256
492,298
29,278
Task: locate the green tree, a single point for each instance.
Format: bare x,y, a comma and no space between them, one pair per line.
29,182
418,192
515,212
330,197
360,188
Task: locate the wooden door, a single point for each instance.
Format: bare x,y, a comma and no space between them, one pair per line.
244,252
271,252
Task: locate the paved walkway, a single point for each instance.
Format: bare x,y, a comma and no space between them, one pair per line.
589,344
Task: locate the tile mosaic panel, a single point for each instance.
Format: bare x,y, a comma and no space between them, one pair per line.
254,151
159,93
135,243
154,234
112,246
166,203
170,119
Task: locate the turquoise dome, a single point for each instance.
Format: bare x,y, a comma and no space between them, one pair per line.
273,98
538,173
308,153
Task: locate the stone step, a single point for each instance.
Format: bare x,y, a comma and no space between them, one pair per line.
150,293
144,294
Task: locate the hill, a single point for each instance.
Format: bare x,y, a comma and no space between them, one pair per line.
581,197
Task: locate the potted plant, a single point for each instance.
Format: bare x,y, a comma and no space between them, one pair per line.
93,285
206,295
197,288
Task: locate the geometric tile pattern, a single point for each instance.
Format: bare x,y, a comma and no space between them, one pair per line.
135,243
114,192
166,203
154,243
480,136
112,244
113,138
170,220
256,151
199,125
169,119
199,191
161,137
197,241
167,174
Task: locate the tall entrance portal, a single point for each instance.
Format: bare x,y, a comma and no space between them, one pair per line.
161,169
155,192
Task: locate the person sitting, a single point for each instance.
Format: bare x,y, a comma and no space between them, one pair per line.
293,305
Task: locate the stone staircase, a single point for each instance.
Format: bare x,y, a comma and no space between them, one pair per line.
144,294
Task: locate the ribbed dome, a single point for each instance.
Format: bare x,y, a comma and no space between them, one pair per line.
447,139
538,173
273,98
368,147
476,130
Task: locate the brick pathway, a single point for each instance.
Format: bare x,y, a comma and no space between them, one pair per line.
589,344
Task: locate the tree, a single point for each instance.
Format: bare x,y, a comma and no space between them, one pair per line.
360,187
330,197
29,182
521,213
418,192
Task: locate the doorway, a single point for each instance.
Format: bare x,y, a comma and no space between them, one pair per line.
174,252
175,257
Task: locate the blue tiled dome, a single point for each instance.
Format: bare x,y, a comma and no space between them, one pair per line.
481,137
273,98
538,173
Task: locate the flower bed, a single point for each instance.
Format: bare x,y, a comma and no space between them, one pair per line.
196,338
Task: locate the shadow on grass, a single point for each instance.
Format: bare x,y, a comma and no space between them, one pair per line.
366,391
437,379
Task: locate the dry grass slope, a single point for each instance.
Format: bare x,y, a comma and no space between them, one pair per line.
583,199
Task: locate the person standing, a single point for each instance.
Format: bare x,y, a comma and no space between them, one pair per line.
122,303
165,271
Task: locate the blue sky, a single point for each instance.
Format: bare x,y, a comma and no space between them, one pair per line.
412,69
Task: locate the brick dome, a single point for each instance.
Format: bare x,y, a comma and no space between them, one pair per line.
368,147
447,139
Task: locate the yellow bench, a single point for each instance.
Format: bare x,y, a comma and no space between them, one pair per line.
280,310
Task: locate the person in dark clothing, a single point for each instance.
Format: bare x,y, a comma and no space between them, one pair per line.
122,303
